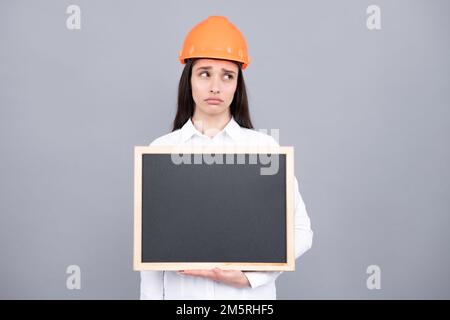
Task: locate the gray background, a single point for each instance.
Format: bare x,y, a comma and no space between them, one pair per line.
367,112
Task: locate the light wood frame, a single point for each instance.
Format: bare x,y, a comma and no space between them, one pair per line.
138,265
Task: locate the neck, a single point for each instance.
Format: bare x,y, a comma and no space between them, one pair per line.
210,125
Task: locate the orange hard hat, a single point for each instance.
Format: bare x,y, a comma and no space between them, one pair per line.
216,38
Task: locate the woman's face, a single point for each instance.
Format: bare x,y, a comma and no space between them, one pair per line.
213,85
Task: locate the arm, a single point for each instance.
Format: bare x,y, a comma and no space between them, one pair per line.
303,240
254,279
152,285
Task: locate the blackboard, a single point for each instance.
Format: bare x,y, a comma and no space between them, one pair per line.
205,207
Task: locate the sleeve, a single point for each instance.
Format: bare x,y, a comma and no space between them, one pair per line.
155,142
152,285
303,240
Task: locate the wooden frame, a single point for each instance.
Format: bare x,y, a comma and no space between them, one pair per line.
137,247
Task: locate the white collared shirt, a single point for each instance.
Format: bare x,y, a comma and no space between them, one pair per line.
171,285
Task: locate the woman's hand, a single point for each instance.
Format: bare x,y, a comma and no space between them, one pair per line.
233,278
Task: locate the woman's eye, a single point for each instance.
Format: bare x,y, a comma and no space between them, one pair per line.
205,74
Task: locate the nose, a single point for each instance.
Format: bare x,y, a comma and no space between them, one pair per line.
214,85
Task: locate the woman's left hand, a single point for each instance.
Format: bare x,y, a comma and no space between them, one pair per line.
233,278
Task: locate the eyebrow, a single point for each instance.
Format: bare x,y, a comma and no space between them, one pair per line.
209,68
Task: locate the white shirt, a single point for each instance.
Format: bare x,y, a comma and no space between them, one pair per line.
171,285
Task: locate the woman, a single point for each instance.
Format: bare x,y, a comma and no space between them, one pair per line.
213,110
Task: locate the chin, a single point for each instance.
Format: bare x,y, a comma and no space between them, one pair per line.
213,109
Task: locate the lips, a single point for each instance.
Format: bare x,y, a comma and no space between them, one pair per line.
213,101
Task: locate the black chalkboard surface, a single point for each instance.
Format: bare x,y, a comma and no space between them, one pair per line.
204,207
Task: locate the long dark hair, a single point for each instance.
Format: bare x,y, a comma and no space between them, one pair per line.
186,105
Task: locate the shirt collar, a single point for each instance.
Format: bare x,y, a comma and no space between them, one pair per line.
233,129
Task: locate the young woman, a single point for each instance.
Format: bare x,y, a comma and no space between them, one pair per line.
213,110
